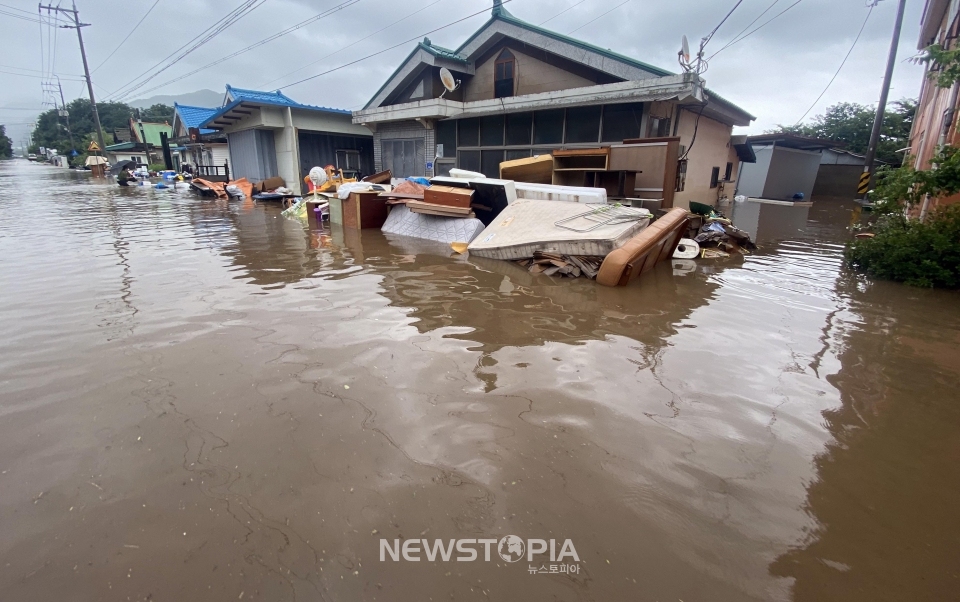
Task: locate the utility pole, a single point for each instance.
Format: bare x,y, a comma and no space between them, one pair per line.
66,114
882,105
83,54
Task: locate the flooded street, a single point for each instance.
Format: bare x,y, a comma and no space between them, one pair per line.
203,400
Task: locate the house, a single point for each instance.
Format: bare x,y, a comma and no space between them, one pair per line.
934,123
135,150
204,149
786,166
525,90
269,134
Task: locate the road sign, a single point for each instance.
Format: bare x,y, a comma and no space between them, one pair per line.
864,183
94,147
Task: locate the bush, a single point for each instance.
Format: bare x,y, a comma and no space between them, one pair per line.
156,167
907,250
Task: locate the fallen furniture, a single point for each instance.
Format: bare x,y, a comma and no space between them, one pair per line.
643,251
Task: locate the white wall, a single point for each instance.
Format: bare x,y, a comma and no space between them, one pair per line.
791,171
753,176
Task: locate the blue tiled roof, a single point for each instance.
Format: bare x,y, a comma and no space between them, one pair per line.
192,117
274,98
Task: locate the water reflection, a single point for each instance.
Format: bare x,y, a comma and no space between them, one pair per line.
884,497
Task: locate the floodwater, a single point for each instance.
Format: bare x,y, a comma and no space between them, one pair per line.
202,400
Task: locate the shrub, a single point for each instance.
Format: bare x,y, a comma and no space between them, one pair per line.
155,167
907,250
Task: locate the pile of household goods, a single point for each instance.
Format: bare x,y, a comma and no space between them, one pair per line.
546,228
717,236
223,190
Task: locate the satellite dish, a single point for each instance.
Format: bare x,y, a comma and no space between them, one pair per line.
446,78
685,50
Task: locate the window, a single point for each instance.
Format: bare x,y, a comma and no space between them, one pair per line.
681,175
447,136
491,130
548,127
349,162
583,124
468,131
469,160
518,154
505,68
518,126
490,161
728,176
405,158
621,122
715,177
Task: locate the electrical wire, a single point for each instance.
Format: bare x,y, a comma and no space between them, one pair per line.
354,43
560,13
603,15
198,41
16,16
757,29
43,77
842,63
395,46
128,36
266,40
749,25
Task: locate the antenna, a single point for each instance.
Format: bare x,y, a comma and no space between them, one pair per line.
446,78
689,64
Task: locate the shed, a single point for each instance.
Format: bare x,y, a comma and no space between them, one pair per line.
787,165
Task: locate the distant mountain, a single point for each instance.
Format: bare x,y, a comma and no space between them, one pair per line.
200,98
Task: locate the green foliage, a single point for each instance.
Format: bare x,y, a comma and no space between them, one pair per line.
158,113
906,185
51,130
6,145
851,123
918,253
156,167
944,64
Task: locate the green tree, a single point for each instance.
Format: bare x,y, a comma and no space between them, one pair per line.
6,145
158,113
51,130
850,124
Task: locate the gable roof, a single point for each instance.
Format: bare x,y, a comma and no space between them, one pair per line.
236,97
463,54
151,131
192,117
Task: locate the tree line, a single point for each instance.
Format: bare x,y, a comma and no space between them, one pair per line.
6,145
52,130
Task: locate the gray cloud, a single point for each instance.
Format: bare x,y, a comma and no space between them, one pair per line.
775,74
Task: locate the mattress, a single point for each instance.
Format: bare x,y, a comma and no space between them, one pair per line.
550,192
404,222
528,225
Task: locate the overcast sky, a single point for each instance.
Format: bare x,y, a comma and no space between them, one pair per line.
775,74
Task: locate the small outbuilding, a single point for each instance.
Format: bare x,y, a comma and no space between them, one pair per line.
786,167
269,134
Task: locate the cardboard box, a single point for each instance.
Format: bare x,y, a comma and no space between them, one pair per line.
449,196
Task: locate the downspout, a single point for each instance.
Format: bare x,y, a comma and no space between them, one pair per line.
948,114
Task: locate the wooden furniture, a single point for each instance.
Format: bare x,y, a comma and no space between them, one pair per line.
654,244
534,170
655,160
448,196
364,210
572,167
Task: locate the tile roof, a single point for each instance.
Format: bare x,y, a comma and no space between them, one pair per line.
276,97
192,117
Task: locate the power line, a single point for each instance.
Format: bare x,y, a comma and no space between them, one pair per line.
202,38
758,28
395,46
560,13
126,38
16,16
266,40
43,77
354,43
844,62
603,15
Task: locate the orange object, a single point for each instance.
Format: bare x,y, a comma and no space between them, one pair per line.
655,243
448,196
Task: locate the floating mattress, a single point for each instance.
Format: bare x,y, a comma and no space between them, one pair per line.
528,225
404,222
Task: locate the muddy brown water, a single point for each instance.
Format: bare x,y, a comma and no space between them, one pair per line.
202,400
